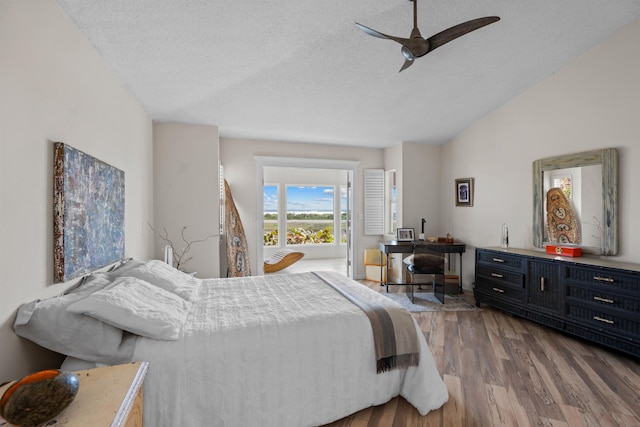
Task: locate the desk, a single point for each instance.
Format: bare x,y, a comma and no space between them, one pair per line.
395,247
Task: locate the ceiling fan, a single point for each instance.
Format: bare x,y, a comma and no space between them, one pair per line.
416,46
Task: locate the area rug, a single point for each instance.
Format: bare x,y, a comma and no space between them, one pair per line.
426,301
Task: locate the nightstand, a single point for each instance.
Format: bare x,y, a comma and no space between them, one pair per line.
108,396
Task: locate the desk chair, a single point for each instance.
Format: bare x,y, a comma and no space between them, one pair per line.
432,263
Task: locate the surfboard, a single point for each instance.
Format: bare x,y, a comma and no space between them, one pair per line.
562,224
238,264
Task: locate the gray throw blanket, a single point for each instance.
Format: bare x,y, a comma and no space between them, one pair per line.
394,333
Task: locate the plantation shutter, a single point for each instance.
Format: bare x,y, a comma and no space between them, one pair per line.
373,201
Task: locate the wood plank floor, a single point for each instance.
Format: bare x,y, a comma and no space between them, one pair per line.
507,371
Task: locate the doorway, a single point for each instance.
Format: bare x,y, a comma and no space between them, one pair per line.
306,205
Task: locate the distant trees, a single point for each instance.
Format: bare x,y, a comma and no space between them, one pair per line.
303,228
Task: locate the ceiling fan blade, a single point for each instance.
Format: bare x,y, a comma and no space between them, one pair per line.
380,35
407,63
371,32
456,31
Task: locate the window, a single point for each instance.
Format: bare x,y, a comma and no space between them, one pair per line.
270,200
312,215
310,218
563,183
343,214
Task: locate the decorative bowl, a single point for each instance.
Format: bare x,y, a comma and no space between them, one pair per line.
38,397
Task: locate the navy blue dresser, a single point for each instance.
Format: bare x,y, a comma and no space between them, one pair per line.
592,298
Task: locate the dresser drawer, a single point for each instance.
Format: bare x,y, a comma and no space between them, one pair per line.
500,290
504,292
502,277
603,298
498,259
604,278
606,319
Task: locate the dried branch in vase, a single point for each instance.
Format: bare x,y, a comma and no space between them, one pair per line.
180,255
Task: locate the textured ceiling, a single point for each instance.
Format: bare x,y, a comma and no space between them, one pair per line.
301,71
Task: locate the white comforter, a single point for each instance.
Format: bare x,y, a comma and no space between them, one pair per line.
281,350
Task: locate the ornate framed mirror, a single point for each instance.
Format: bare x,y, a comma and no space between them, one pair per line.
588,184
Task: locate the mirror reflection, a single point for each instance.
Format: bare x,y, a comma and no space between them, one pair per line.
573,205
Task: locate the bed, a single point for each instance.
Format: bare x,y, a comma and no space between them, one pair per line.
280,350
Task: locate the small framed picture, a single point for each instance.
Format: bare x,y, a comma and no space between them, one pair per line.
464,192
405,234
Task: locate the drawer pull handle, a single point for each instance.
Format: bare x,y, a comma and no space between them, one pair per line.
607,300
600,319
499,290
499,276
497,260
542,284
603,279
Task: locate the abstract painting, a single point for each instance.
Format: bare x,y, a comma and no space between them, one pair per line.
88,199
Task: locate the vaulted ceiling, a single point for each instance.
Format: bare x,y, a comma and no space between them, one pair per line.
302,71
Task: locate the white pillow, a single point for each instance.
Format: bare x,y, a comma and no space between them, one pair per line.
136,306
48,323
166,277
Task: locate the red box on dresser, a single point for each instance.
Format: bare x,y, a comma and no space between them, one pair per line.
564,250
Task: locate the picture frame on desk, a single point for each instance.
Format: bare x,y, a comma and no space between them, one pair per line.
405,235
464,192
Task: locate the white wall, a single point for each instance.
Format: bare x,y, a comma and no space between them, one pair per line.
187,193
55,87
592,103
238,160
421,188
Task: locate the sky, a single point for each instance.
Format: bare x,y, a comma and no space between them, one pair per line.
301,199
